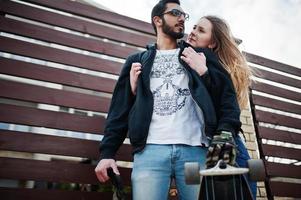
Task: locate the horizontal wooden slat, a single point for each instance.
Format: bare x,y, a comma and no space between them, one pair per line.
50,54
53,171
50,119
75,24
279,135
273,64
283,189
66,39
98,14
279,78
283,170
38,94
282,152
280,92
53,75
53,194
56,145
276,104
276,119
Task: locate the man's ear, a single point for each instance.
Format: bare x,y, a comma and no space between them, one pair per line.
157,21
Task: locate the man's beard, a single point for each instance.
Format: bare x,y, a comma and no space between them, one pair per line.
168,31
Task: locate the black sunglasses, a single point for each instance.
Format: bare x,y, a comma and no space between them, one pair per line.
177,13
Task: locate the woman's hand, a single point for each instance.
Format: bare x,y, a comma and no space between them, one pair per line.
134,73
196,61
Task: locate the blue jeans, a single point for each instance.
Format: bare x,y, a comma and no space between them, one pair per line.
155,166
241,159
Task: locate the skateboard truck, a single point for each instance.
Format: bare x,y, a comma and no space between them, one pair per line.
221,169
193,174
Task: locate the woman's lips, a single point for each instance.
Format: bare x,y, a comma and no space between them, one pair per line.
190,39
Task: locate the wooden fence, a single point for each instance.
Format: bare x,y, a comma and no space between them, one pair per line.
59,64
276,109
59,61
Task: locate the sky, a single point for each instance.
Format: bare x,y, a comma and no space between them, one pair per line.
268,28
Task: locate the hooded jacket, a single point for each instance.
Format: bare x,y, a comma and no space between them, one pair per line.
213,92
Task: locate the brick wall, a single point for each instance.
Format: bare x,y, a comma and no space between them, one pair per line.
251,143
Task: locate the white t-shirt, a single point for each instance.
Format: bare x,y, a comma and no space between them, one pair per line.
176,118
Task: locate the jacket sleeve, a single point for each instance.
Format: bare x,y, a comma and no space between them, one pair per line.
219,85
224,98
206,79
116,126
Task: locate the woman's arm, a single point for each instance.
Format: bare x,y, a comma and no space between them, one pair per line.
134,74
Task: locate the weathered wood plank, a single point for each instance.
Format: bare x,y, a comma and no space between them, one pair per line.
66,39
53,75
277,91
282,152
76,24
273,64
38,94
279,135
50,119
53,194
276,119
53,171
283,189
98,14
276,104
56,145
283,170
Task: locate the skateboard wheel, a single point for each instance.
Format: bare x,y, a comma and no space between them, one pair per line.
192,173
256,170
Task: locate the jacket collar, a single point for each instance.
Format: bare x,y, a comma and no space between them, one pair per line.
151,46
180,44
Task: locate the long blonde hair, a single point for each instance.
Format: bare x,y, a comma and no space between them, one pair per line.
231,58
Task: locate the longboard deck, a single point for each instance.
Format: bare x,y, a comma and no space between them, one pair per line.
230,187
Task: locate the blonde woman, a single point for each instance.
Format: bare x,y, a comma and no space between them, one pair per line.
214,33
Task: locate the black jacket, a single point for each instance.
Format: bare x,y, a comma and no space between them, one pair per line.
213,92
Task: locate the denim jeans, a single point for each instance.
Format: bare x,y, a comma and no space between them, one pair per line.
154,167
241,159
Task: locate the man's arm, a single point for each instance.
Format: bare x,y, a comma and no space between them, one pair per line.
116,123
116,126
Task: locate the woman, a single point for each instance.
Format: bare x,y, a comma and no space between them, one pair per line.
213,32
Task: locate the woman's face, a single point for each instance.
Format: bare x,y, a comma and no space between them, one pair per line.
201,34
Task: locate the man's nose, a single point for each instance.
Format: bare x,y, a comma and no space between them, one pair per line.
181,18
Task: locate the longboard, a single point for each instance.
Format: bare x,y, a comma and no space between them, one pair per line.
224,182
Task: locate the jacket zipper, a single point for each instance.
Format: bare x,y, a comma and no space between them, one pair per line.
198,108
201,117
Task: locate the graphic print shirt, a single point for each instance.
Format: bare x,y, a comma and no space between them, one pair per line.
176,118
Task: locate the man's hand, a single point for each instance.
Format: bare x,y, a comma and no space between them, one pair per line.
103,166
222,147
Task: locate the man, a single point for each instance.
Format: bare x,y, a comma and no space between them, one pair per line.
171,116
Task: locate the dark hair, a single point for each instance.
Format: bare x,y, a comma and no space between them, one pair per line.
159,9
